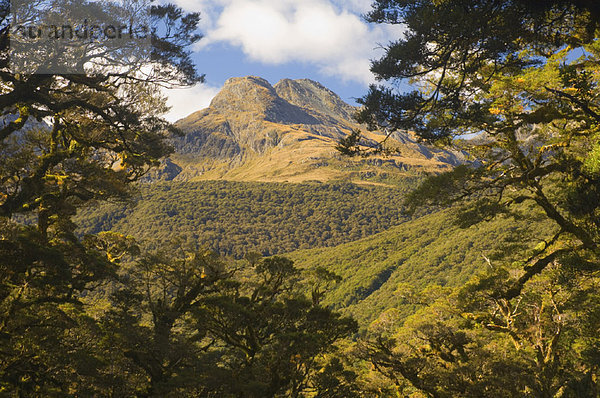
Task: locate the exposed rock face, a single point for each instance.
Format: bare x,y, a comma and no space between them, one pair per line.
314,97
167,172
256,131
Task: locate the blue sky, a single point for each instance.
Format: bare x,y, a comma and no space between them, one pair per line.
323,40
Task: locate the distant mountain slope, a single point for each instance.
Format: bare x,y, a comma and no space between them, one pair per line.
420,252
253,131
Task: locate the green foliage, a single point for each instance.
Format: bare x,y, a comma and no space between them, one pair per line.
592,161
451,347
442,189
234,218
350,145
429,250
523,78
184,323
174,322
67,140
452,51
46,339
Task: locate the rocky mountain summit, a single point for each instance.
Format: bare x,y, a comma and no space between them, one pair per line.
287,132
314,97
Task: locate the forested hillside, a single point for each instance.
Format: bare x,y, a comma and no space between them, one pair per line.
378,272
234,218
479,281
361,233
524,77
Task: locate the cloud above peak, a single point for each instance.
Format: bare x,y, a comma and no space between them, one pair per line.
279,32
329,34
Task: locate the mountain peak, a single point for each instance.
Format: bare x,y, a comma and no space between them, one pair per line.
312,95
253,95
244,94
286,132
248,79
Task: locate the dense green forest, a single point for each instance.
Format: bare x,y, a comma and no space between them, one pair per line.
98,315
379,271
490,289
522,79
234,218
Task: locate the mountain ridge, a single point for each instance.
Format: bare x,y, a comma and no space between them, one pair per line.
255,131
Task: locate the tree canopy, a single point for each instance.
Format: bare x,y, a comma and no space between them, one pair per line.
233,218
95,315
515,84
66,140
453,50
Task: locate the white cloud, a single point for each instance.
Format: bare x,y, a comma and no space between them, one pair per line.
351,70
185,101
327,34
331,36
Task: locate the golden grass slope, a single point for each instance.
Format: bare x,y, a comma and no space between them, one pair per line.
253,131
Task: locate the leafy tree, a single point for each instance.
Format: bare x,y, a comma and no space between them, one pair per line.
104,130
68,140
188,324
521,78
454,50
276,340
147,321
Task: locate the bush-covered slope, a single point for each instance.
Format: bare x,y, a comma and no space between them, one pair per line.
430,250
236,217
358,232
